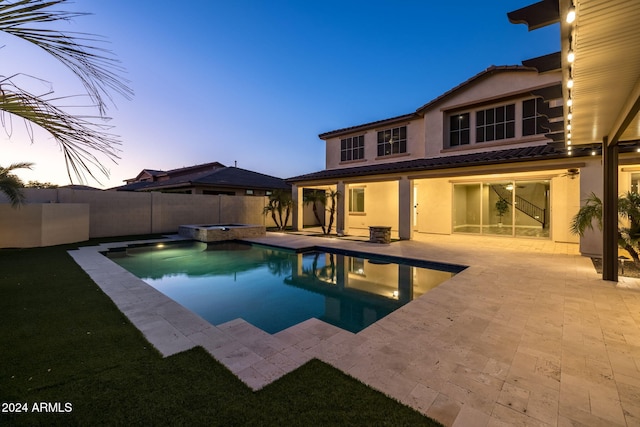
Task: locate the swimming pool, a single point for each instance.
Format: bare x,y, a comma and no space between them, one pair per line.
275,288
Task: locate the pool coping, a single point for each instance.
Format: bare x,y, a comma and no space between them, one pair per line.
256,357
528,334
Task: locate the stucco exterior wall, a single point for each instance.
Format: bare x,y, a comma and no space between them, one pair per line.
415,146
494,87
434,205
591,181
380,208
565,203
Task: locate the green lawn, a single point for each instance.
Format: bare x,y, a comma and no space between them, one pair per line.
63,342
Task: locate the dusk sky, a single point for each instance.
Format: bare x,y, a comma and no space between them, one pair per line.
257,81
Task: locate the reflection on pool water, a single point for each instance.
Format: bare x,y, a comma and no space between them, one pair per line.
274,288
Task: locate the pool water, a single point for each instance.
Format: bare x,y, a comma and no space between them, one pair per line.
274,288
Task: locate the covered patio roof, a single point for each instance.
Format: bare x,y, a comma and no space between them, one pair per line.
600,58
604,98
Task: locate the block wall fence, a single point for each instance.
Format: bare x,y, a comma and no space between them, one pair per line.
57,216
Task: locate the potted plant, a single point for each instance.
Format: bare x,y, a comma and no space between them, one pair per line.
501,207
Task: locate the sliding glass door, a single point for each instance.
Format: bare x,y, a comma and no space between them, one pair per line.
502,208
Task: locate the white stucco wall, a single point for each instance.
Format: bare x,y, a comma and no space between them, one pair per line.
380,205
415,146
494,87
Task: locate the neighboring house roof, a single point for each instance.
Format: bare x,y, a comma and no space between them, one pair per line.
227,177
513,155
420,111
80,187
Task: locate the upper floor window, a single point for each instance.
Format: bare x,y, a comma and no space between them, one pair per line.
458,129
352,148
392,141
531,117
496,123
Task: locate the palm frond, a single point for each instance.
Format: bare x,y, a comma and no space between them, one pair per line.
11,185
96,68
77,136
583,220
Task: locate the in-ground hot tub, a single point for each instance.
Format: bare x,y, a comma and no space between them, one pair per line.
217,232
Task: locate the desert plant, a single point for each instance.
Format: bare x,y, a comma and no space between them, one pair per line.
314,198
11,185
333,196
279,204
628,209
329,201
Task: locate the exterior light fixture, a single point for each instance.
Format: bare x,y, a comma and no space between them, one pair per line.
638,149
570,83
569,116
569,126
569,142
569,102
568,135
593,152
571,56
571,15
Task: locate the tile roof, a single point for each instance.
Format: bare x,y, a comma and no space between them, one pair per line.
512,155
228,177
420,111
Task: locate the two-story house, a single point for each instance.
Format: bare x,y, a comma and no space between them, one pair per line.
485,158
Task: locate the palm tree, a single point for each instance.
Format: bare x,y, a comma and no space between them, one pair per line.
628,209
333,196
79,137
280,203
329,201
313,198
11,185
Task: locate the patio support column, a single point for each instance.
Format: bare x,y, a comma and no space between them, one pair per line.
340,215
610,211
405,208
297,220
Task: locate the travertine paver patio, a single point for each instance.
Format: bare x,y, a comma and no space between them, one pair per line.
527,335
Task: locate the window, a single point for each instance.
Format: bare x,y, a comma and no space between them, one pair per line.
352,148
531,118
496,123
392,141
248,192
458,129
356,200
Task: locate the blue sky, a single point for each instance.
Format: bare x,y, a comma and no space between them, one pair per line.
257,81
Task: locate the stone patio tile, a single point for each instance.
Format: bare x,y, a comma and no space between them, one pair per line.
421,398
166,338
444,409
528,323
543,405
209,341
514,397
254,379
605,404
574,393
572,416
505,416
288,361
471,417
269,370
235,356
